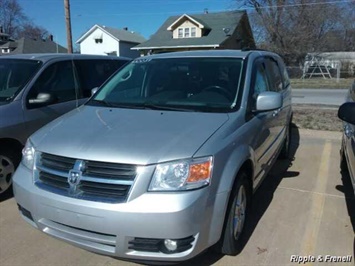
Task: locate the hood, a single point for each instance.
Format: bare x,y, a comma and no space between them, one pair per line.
129,136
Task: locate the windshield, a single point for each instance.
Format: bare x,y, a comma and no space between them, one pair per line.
14,75
186,84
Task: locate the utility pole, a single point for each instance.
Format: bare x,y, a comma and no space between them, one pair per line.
68,26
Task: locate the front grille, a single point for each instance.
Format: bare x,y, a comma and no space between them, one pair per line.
54,180
57,162
110,170
89,180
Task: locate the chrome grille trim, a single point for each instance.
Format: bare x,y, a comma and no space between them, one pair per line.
111,183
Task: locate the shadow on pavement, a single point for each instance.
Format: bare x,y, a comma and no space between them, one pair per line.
260,202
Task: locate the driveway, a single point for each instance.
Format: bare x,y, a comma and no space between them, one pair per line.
302,209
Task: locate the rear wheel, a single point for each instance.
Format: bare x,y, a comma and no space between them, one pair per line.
285,152
238,211
8,163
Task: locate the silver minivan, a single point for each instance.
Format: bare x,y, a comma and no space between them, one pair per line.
346,113
37,88
161,163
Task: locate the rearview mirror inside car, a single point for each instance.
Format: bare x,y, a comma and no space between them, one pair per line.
268,101
94,90
346,112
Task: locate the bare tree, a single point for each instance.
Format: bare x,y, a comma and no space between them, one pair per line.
294,28
11,15
29,30
15,23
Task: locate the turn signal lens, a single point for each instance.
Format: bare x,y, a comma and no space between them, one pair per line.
200,172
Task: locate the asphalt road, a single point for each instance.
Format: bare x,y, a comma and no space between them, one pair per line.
319,96
303,208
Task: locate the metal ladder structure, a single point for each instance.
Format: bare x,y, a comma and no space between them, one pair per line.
316,64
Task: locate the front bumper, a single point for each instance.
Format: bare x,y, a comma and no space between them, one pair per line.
110,229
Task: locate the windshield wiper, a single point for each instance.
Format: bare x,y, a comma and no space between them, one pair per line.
147,105
102,102
154,106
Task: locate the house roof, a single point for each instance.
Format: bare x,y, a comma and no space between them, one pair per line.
217,22
118,34
30,46
9,44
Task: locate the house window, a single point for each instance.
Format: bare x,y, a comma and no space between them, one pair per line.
187,32
193,32
98,40
180,33
6,51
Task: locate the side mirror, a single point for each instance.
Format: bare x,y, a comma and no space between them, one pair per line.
94,90
346,112
42,98
268,101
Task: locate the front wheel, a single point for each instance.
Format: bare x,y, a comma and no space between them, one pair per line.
343,163
8,164
285,151
238,212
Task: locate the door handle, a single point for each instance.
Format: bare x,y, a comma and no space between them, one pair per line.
276,112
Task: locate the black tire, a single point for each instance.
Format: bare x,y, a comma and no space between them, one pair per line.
343,163
285,151
9,160
230,243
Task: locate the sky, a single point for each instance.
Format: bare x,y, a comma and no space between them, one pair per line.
142,16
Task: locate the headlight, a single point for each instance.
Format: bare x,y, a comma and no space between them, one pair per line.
28,155
182,175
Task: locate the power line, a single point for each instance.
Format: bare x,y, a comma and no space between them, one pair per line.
221,10
306,4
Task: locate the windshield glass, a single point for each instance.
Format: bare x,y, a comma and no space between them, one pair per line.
14,75
186,84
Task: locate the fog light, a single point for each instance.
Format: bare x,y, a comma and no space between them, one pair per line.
170,245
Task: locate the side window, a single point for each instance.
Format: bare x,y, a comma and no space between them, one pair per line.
58,79
93,73
284,74
274,75
352,91
260,81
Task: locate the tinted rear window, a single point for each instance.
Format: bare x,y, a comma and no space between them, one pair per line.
93,73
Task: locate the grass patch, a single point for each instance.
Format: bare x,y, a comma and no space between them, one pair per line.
317,118
321,83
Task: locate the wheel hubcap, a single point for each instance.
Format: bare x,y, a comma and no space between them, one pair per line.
7,169
239,212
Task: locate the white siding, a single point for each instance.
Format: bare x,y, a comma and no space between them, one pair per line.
108,45
125,50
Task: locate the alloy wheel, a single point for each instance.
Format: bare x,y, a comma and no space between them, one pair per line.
239,212
7,169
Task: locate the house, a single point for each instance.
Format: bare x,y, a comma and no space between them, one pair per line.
222,30
4,37
102,40
31,46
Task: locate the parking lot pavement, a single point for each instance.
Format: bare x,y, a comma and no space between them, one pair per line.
304,208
